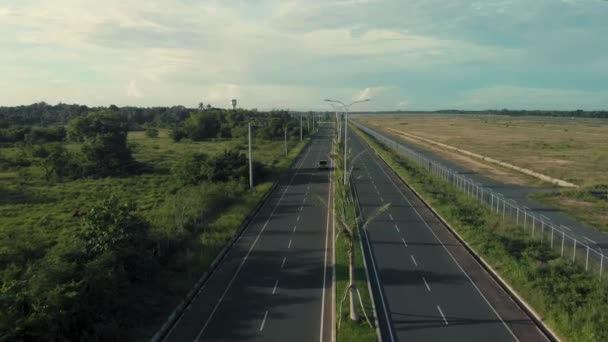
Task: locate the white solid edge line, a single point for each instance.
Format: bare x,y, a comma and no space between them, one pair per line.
442,315
198,336
450,254
264,321
369,247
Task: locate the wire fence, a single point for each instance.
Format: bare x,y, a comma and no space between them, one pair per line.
583,251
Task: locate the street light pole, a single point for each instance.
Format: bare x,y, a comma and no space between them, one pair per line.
346,107
300,126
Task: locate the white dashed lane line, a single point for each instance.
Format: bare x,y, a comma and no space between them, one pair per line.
391,217
405,243
289,246
442,315
283,263
426,284
397,227
264,321
414,260
275,287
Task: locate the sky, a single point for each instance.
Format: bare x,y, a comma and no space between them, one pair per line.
402,54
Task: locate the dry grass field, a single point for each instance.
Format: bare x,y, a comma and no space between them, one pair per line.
575,151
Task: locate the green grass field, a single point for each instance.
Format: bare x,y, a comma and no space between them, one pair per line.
571,301
191,223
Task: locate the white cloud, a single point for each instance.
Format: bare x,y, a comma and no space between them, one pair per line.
133,90
402,104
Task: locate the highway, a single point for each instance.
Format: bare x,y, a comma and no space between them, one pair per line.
427,286
275,283
519,194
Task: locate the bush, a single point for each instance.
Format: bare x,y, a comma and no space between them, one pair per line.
105,148
230,165
189,170
152,132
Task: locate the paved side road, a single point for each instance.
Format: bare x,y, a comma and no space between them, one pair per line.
275,283
427,285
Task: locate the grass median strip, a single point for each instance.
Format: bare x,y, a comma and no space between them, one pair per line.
349,330
571,301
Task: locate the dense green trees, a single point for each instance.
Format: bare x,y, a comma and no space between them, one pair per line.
104,138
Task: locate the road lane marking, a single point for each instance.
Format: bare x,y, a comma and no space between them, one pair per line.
298,218
382,199
264,321
425,284
448,252
283,263
414,260
396,227
442,315
301,207
405,243
329,193
294,228
275,287
289,246
391,217
588,239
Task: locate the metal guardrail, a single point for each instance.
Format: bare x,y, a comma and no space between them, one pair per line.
558,237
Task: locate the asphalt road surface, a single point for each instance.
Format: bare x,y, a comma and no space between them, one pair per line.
427,286
275,283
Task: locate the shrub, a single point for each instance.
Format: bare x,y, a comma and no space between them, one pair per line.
152,132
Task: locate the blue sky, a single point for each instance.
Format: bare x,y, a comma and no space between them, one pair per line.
403,54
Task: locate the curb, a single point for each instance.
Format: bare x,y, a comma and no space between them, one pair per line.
363,254
521,303
191,295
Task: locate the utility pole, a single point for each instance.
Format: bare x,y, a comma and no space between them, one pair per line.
250,160
285,141
300,126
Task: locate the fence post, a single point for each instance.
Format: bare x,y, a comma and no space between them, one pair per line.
542,231
552,231
601,264
503,210
533,224
517,215
563,240
574,252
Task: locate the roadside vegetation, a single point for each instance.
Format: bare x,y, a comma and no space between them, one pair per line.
104,229
571,301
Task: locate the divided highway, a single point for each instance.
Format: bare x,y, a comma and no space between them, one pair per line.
427,286
275,283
